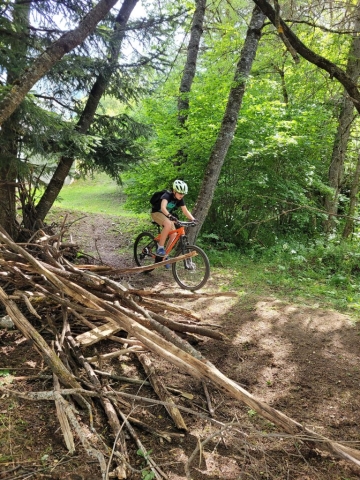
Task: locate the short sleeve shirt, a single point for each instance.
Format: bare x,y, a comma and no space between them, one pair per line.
172,205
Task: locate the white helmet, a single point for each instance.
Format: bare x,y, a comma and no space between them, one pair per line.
180,187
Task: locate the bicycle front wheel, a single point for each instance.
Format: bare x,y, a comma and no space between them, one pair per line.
192,273
145,249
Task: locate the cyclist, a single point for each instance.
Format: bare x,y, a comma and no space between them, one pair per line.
161,213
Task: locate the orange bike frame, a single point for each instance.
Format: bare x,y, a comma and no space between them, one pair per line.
179,233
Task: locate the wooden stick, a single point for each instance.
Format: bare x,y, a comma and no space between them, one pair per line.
137,381
161,390
159,474
63,420
179,354
107,356
108,406
208,399
29,332
153,303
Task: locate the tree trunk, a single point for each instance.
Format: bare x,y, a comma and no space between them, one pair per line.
9,132
349,225
229,121
57,181
188,75
190,66
336,169
7,199
52,55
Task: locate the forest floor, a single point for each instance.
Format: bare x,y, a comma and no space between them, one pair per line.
298,358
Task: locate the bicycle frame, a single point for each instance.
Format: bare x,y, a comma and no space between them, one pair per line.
180,233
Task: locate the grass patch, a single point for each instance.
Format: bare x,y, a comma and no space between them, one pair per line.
100,194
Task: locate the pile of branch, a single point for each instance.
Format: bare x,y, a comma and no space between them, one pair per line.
107,309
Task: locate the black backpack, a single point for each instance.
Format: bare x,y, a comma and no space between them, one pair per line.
155,197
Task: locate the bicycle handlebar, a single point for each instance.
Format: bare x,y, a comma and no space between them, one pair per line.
185,224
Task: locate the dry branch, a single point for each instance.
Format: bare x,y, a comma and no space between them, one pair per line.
63,420
31,333
166,306
161,390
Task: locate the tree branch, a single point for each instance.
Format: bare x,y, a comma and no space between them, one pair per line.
309,55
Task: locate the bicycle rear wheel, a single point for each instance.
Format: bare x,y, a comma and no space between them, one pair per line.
145,249
191,273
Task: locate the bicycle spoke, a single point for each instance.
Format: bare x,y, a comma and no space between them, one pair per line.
144,249
192,273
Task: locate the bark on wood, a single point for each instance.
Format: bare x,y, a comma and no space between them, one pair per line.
139,324
30,332
191,60
63,420
304,434
229,121
161,390
312,57
110,411
345,120
153,303
137,381
115,354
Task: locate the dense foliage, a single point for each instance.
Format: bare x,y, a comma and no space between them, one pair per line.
275,177
274,184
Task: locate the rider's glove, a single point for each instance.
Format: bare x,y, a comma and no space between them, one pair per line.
195,220
172,218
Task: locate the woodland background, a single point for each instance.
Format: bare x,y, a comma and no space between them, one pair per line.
254,104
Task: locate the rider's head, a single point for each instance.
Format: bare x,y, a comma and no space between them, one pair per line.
180,187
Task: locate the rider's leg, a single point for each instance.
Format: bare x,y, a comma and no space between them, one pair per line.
171,239
167,225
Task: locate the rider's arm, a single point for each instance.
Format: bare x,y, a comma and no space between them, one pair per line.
187,213
164,203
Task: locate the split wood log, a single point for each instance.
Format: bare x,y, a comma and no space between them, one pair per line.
25,327
154,303
161,391
122,459
98,333
63,420
82,435
111,337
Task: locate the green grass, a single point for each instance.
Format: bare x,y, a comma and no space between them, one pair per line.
98,195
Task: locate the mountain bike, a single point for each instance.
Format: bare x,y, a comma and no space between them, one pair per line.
191,273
